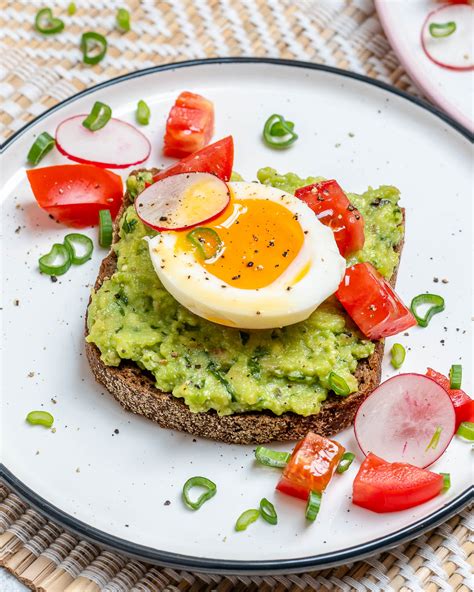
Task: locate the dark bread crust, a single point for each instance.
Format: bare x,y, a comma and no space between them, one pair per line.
134,389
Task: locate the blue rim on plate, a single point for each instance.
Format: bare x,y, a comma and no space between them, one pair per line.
160,557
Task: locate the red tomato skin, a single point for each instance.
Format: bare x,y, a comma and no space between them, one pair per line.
332,207
217,159
382,487
372,304
189,126
75,193
311,466
463,404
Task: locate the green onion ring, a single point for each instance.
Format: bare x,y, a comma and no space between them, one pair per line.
272,458
206,240
398,354
71,8
455,376
338,385
89,42
466,430
313,505
106,229
123,20
46,23
207,484
143,113
434,439
442,29
49,264
437,305
345,462
268,512
446,482
245,519
43,144
278,133
74,240
98,117
40,418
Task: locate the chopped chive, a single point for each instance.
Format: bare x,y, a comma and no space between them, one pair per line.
56,262
442,29
46,23
105,229
279,133
435,439
143,113
123,20
338,385
313,505
43,144
345,462
466,430
446,482
455,376
40,418
398,354
245,519
436,305
77,243
71,9
272,458
206,240
94,47
98,117
209,487
268,512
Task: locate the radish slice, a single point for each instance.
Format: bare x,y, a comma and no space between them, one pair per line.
182,201
455,51
400,419
118,145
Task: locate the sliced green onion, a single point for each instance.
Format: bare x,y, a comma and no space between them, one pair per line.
206,240
437,305
80,247
143,113
98,117
446,482
46,23
56,262
313,505
106,229
338,385
442,29
246,518
455,376
123,20
129,225
279,133
71,8
43,144
466,430
268,512
398,354
93,47
345,462
435,439
207,484
40,418
272,458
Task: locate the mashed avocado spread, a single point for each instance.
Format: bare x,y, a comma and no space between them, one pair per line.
229,370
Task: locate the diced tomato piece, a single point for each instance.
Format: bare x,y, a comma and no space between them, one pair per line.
218,159
75,193
331,206
463,404
311,466
381,486
190,125
372,304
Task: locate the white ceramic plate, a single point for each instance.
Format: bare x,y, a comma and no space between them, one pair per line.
452,91
113,486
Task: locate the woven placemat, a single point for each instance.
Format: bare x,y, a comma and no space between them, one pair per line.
37,72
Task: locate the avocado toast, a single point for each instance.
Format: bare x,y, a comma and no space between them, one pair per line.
134,386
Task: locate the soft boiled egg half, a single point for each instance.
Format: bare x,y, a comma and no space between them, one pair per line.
263,261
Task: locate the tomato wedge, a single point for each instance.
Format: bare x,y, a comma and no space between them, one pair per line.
75,193
463,404
311,466
190,125
381,486
331,206
374,307
218,159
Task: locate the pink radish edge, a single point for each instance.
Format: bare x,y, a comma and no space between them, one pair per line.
422,38
100,163
442,393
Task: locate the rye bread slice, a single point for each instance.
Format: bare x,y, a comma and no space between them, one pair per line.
135,390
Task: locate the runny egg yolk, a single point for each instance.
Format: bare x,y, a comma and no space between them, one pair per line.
259,240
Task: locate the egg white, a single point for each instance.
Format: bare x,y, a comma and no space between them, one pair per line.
283,302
